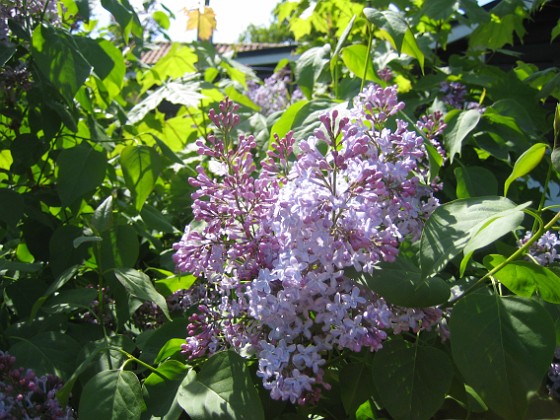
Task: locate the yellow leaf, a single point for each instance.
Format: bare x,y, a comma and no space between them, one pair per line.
204,23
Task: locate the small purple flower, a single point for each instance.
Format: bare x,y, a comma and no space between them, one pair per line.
545,249
24,395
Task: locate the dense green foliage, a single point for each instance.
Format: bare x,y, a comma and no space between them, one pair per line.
96,149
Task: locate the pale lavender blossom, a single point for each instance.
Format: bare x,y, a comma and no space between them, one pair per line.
274,243
545,249
455,95
274,94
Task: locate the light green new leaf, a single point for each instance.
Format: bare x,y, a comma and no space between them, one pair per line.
452,225
396,30
179,60
354,58
172,284
112,394
286,121
411,379
459,126
526,163
141,166
525,278
81,170
503,348
223,389
139,285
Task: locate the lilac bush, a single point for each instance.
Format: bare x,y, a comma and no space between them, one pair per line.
270,245
25,395
275,93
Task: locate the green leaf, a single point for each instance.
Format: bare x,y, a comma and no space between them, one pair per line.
492,229
354,58
169,349
102,219
503,348
178,61
341,41
475,181
151,341
182,93
11,210
396,30
526,163
111,394
555,158
310,66
67,301
459,126
141,167
223,389
6,53
439,9
161,19
59,60
81,170
525,278
139,285
107,61
155,219
120,248
401,283
126,17
240,98
452,225
411,379
172,284
47,352
62,252
60,281
555,31
286,121
356,385
160,393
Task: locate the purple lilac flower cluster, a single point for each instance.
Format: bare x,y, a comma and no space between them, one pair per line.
454,95
23,12
24,395
272,245
545,249
274,94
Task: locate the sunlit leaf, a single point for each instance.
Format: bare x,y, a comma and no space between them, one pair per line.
526,163
222,389
525,278
451,227
354,58
204,22
141,167
58,59
459,126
